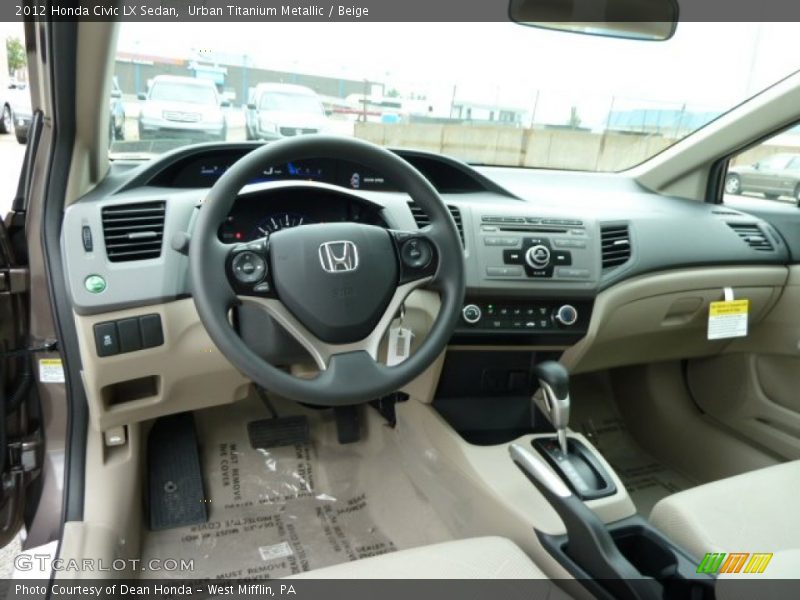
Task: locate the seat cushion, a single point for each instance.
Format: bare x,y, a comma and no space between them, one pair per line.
753,512
475,558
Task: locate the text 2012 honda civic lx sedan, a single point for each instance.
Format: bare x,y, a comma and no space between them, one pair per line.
501,321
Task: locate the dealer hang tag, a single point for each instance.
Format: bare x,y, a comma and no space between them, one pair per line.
399,345
728,318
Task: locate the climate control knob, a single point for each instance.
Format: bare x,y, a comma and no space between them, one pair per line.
538,256
472,313
566,315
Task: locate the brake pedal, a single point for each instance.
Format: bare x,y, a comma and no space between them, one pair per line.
278,431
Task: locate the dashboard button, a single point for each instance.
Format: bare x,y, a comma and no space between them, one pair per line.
538,256
152,333
566,243
416,253
571,273
512,257
512,271
566,315
106,339
86,238
562,258
471,313
130,336
498,240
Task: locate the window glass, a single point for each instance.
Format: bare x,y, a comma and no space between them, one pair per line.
768,171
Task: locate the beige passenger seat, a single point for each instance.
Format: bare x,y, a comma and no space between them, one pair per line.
754,512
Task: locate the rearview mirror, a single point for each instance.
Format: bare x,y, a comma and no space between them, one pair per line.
251,106
653,20
141,96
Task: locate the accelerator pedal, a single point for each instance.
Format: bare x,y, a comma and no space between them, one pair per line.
175,482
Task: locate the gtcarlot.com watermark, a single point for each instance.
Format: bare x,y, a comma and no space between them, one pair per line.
45,562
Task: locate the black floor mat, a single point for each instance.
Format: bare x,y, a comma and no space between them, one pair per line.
175,483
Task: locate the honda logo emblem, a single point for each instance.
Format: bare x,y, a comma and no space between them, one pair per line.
338,257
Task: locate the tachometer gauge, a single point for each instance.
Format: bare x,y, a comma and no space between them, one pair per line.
277,221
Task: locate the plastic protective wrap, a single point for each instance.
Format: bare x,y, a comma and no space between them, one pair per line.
281,511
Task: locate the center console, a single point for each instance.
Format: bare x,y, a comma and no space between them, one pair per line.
531,279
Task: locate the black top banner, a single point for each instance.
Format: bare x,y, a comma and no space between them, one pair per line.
386,10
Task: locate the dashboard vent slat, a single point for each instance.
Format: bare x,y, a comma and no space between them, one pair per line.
134,231
615,242
424,220
753,236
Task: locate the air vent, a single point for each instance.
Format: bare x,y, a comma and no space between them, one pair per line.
615,241
422,219
752,234
133,231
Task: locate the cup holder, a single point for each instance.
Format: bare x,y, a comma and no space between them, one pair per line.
650,557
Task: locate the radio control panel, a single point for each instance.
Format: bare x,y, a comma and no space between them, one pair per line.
541,249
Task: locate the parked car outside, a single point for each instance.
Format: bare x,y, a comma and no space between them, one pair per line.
117,125
12,93
775,176
278,110
184,108
21,114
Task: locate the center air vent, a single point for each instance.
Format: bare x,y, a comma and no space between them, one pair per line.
422,219
134,231
615,242
752,234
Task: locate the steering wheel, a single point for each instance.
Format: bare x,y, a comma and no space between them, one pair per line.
334,287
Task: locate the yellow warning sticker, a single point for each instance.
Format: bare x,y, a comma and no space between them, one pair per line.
728,319
51,370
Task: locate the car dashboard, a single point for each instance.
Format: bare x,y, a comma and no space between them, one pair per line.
583,263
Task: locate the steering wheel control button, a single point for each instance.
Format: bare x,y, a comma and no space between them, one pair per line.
566,315
106,339
538,256
416,253
95,284
472,313
248,267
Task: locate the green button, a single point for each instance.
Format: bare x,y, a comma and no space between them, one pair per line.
95,284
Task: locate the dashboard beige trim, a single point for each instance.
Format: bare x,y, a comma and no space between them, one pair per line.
663,316
190,371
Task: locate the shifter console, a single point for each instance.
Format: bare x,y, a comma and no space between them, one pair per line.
579,467
574,462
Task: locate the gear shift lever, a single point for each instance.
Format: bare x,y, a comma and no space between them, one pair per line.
552,397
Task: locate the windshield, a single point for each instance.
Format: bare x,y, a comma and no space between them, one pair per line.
290,102
485,93
182,92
